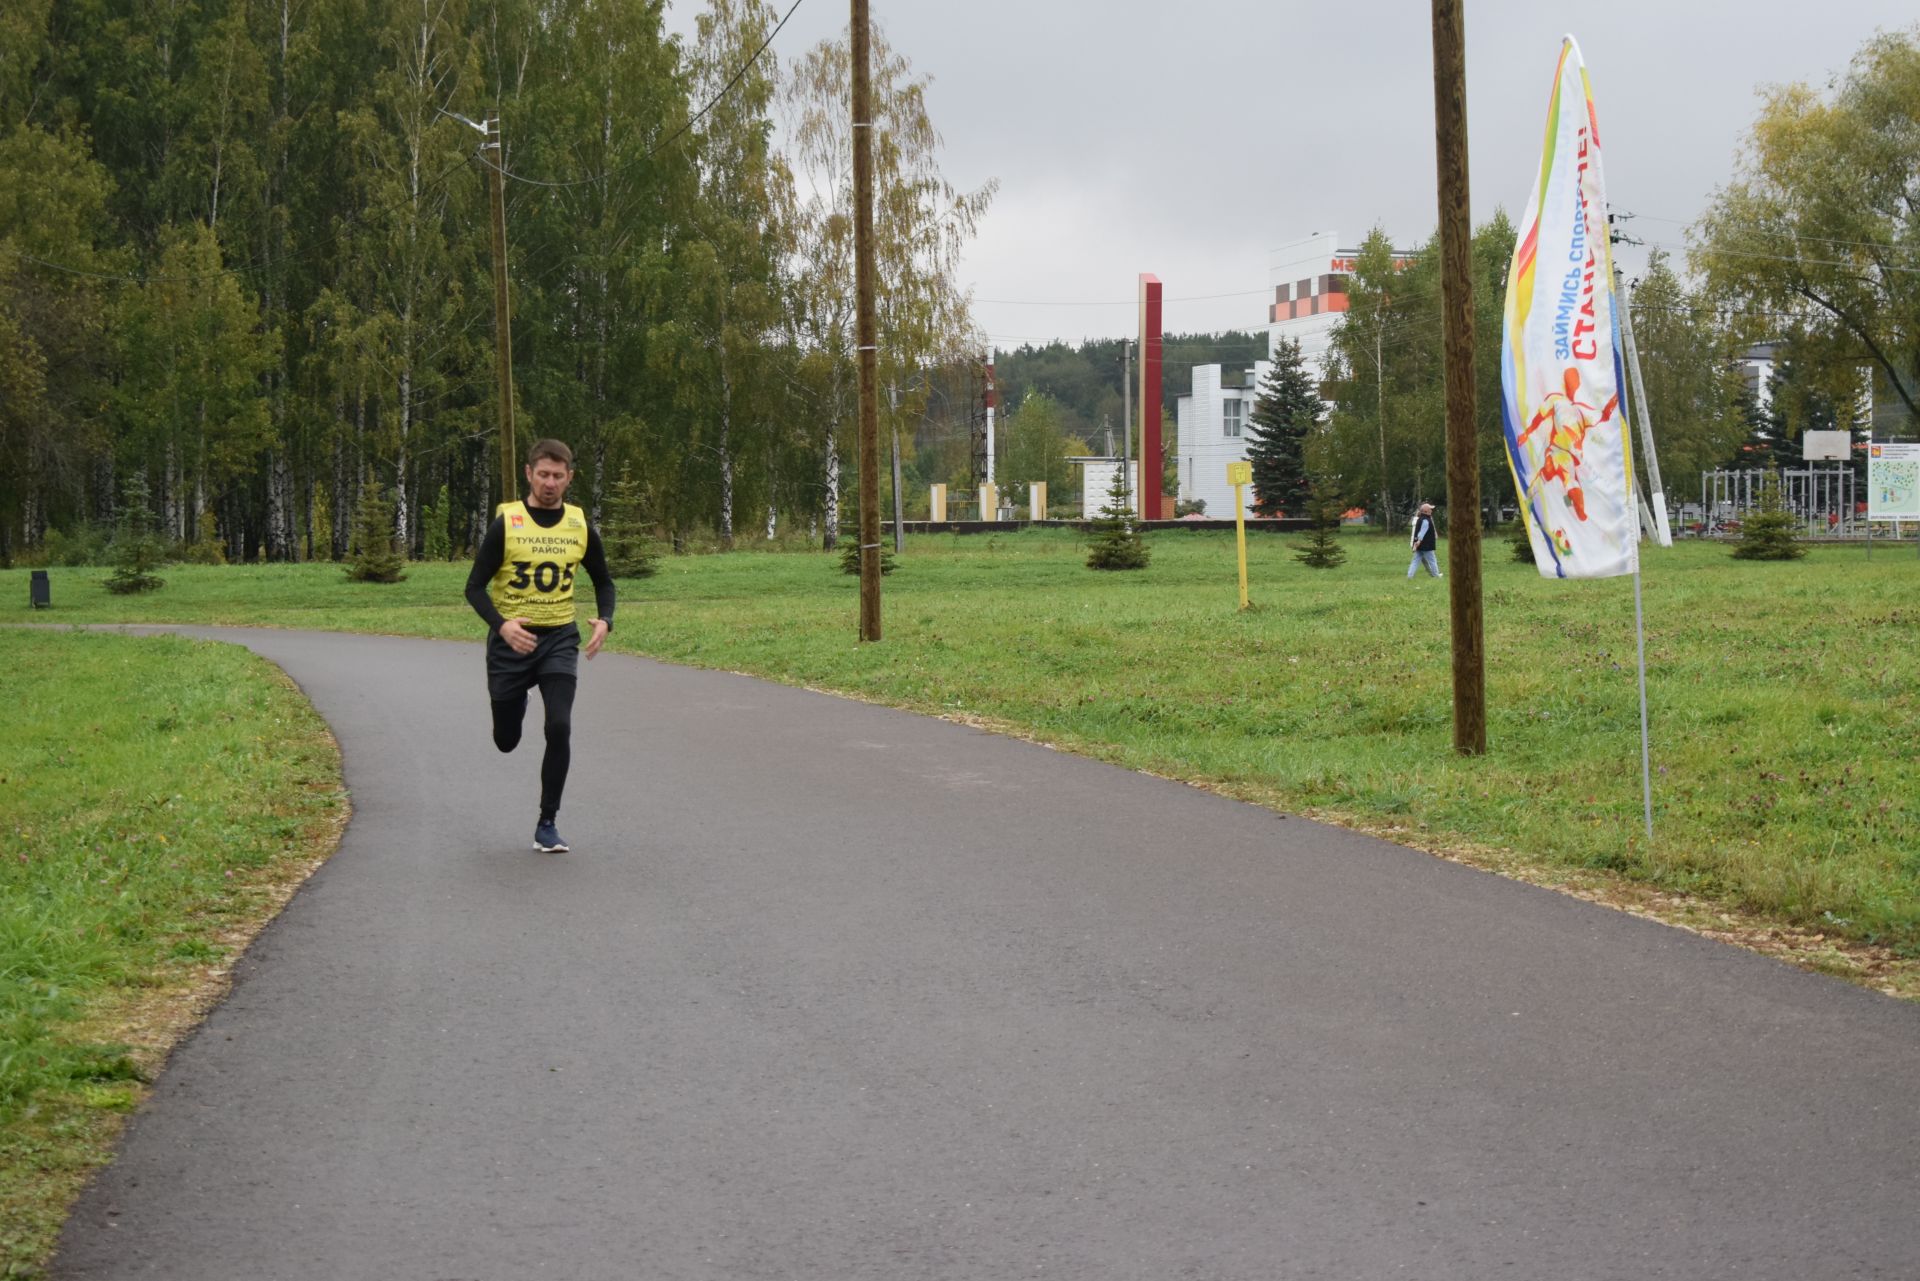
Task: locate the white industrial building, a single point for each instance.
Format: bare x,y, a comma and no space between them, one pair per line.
1309,282
1212,422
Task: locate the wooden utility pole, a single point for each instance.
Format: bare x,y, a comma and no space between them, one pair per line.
1380,408
1126,413
1463,461
867,338
502,314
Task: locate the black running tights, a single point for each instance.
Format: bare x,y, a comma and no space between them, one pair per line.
556,692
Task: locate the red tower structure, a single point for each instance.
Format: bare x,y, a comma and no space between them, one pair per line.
1151,505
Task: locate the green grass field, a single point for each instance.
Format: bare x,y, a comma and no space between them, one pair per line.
1783,711
157,797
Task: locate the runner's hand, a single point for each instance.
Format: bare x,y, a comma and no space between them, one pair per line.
514,632
599,635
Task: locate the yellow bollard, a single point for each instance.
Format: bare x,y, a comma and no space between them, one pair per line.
937,505
1240,475
989,502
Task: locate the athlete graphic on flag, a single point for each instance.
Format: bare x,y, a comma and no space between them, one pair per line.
1567,420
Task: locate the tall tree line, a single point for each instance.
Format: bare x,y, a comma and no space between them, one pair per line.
244,252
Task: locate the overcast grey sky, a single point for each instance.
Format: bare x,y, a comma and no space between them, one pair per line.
1188,138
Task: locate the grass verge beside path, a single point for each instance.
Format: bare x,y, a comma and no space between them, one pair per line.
159,801
1787,788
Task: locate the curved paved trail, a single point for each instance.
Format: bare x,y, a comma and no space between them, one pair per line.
827,991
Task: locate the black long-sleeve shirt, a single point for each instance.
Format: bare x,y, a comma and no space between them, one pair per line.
493,551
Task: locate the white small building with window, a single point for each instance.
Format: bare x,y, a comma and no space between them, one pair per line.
1212,420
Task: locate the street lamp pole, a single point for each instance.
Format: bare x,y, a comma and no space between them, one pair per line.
494,156
502,314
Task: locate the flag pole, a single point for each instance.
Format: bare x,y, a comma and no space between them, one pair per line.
1640,641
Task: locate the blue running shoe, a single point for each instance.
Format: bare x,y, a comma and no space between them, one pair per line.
546,839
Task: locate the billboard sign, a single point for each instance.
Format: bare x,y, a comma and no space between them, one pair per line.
1893,482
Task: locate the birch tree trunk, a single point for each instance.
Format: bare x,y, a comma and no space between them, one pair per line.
478,517
402,521
190,526
30,518
103,496
599,488
279,506
830,519
337,495
170,488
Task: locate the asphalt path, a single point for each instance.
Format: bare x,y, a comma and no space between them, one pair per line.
829,991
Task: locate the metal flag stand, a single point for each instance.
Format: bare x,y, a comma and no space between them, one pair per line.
1624,301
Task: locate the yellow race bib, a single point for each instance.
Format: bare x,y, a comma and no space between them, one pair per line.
535,578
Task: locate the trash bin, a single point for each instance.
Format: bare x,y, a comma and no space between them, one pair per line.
40,592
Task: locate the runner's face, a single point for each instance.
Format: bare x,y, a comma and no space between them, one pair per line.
547,482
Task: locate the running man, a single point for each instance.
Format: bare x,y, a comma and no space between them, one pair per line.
522,585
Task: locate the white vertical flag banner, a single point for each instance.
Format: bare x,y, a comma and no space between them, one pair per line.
1563,406
1563,403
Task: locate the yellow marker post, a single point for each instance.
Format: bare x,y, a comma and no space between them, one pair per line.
1240,475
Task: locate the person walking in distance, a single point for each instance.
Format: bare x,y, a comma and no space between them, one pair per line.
1424,542
522,587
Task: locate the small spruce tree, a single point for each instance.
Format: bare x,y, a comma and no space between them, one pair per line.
1116,539
137,549
1286,410
1767,532
373,554
630,548
1322,549
1521,542
850,557
207,549
435,542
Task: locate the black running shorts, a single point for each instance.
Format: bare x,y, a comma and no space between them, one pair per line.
509,675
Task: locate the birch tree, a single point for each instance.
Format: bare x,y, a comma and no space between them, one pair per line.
922,223
192,355
733,266
1817,239
407,272
54,344
1693,386
594,229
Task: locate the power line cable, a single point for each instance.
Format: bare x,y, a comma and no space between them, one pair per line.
1795,236
1129,302
1796,258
